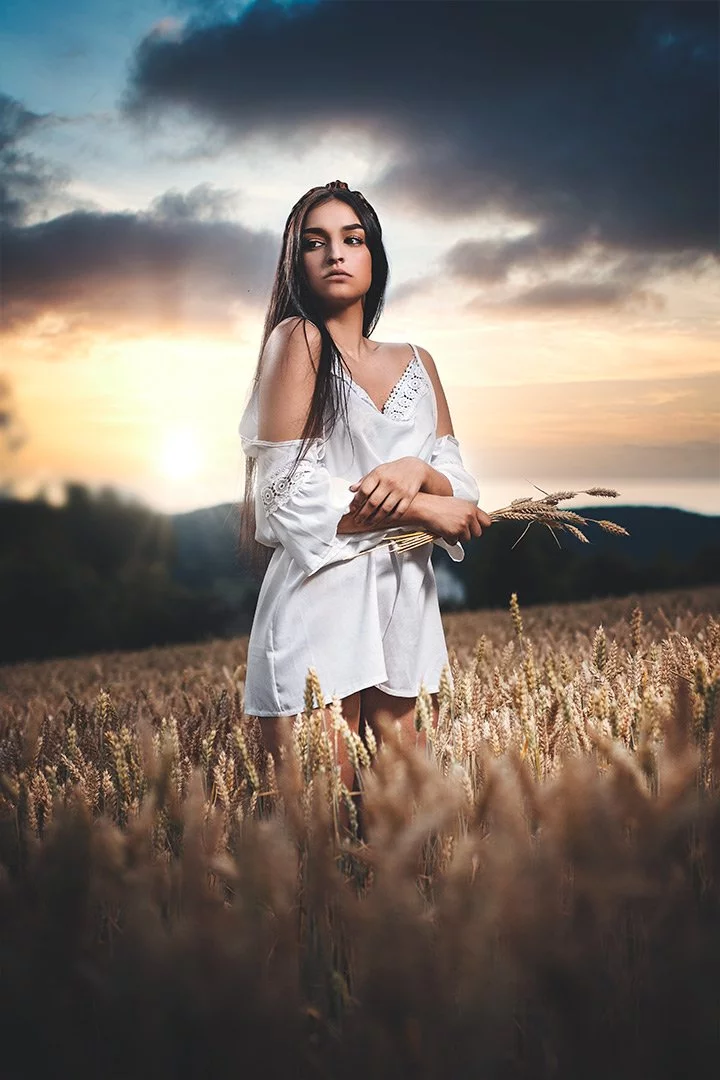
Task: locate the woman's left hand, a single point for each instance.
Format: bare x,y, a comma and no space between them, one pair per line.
386,492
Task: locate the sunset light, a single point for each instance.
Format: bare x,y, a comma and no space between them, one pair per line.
563,279
181,456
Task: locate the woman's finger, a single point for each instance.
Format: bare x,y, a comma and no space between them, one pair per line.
376,503
366,509
397,510
363,494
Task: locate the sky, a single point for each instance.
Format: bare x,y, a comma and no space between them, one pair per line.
545,173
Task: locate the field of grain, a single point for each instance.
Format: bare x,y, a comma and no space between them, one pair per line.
536,893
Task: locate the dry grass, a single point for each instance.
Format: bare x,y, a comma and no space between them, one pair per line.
539,897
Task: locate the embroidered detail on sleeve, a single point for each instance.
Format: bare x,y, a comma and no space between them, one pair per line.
279,486
405,391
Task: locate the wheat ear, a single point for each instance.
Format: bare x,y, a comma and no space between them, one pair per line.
543,510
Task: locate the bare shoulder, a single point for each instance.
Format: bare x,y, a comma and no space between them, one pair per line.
444,420
427,359
399,347
287,380
293,347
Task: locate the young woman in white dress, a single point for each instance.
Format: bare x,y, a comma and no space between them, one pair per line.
346,439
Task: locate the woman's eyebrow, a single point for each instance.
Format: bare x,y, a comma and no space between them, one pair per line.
343,228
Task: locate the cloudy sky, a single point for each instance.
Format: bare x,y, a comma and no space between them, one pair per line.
546,177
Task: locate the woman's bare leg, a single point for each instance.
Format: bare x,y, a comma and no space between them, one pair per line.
277,732
379,708
351,712
436,709
276,735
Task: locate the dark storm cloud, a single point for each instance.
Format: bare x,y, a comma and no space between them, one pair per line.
177,264
587,121
568,296
203,203
608,279
26,180
15,121
182,262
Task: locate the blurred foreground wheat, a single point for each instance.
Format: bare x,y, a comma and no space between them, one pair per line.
540,895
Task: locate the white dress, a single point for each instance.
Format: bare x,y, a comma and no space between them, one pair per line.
360,620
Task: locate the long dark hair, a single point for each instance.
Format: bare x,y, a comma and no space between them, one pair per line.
292,296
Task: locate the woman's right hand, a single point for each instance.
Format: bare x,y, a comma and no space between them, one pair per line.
455,519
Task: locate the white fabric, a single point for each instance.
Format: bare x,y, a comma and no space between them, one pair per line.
370,620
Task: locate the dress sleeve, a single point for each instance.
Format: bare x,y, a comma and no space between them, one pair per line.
299,509
447,459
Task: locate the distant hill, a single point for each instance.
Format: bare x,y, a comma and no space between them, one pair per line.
99,573
205,544
675,547
655,531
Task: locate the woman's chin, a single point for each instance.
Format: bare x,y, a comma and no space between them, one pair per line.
342,296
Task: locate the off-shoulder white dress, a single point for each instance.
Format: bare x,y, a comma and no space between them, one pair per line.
360,620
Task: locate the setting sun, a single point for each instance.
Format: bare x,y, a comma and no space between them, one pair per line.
180,454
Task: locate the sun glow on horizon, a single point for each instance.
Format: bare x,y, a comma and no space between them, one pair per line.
180,455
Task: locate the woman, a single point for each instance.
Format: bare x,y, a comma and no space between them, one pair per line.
346,438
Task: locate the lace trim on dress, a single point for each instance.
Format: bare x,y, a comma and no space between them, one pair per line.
405,391
277,488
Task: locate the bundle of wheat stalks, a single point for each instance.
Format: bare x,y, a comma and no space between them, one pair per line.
544,511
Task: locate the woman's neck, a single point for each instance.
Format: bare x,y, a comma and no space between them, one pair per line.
346,329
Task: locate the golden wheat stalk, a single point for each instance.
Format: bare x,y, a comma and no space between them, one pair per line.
544,511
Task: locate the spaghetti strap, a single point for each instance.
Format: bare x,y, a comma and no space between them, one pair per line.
426,374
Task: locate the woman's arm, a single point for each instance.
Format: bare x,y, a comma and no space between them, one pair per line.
446,504
446,458
437,483
296,505
444,420
288,379
451,519
417,516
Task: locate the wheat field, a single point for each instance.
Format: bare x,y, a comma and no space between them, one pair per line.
537,894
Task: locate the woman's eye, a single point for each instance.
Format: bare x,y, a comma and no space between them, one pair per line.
309,245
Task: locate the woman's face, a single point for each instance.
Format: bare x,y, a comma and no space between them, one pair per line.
333,239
